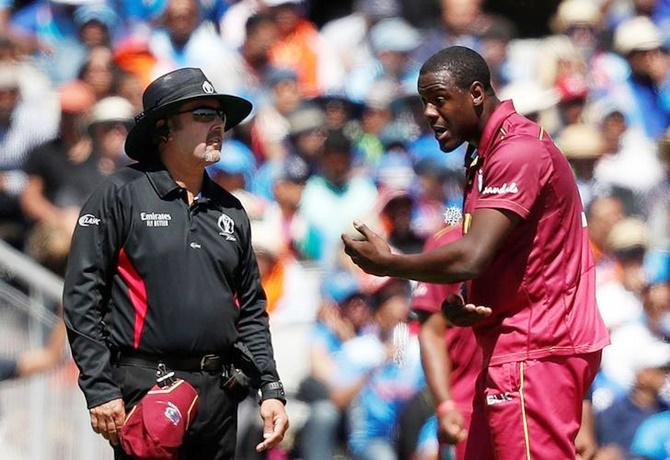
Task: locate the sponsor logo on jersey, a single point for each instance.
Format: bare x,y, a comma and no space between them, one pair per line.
504,188
156,219
88,219
227,226
499,398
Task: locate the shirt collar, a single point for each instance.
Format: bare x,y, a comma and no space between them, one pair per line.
493,125
161,179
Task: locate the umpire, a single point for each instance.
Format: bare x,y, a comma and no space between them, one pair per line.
162,271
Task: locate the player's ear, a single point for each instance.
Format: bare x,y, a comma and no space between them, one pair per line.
477,93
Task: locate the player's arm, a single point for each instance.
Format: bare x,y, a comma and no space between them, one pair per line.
437,368
461,260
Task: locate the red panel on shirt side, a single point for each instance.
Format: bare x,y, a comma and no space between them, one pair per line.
137,291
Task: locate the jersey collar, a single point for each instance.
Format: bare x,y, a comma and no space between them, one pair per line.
161,179
493,126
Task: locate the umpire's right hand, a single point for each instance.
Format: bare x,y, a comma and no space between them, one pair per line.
107,419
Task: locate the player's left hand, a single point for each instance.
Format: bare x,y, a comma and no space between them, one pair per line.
275,424
450,427
458,313
371,253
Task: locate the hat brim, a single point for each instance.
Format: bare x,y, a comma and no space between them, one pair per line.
139,145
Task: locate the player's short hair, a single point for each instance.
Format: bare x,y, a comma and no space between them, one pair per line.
464,65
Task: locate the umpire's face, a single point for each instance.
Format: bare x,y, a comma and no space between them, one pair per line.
451,112
196,130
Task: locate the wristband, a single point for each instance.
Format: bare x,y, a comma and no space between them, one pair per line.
445,406
273,390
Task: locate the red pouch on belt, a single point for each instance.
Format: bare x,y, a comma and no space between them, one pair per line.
154,429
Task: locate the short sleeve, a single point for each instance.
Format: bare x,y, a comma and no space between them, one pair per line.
513,177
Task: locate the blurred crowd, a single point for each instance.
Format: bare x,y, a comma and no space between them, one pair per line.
337,134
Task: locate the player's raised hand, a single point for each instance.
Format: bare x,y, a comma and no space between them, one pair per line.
371,252
458,313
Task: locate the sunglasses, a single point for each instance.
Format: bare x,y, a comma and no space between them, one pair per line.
206,114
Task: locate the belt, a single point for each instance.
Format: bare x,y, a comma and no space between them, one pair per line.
207,363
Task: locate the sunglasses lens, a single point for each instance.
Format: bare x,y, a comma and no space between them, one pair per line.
205,114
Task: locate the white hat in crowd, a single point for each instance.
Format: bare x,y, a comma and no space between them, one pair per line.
637,34
529,97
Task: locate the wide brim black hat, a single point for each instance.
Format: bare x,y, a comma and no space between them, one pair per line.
168,92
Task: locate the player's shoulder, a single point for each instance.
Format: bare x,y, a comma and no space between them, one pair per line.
521,139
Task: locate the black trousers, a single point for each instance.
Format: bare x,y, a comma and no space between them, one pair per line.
212,434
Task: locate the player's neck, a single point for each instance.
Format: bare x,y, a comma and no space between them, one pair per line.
490,105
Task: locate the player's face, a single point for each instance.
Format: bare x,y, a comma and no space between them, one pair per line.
198,129
449,110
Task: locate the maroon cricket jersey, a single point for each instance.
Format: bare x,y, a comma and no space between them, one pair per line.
541,284
462,347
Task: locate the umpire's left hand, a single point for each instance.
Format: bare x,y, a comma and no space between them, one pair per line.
107,419
275,423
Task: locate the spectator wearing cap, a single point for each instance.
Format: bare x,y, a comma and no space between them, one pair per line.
298,236
643,95
396,213
392,40
98,24
582,145
307,134
658,200
19,134
108,125
185,40
335,187
300,47
581,22
557,57
348,36
620,298
375,120
530,99
629,162
572,97
63,172
639,361
49,30
621,360
272,126
344,313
